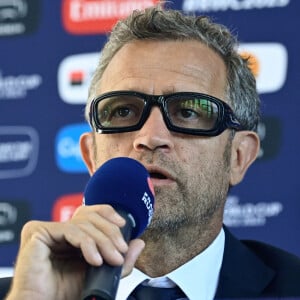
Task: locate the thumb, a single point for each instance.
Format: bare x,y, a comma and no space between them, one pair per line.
135,248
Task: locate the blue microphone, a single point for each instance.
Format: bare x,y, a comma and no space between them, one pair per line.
125,184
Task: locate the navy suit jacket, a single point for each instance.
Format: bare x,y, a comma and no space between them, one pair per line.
249,269
252,269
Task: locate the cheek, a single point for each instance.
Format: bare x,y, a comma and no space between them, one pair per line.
109,149
201,152
110,146
192,149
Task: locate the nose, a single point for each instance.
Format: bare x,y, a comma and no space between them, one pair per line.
154,134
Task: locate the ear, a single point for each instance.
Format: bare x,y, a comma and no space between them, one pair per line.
245,147
87,151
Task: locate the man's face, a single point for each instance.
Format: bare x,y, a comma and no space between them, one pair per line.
190,173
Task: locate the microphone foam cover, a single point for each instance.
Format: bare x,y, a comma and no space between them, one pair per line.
125,184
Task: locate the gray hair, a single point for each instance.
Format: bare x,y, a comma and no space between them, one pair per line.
155,23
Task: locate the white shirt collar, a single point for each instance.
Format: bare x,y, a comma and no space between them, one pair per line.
200,283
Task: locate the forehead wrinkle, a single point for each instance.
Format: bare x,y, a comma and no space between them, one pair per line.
132,82
154,71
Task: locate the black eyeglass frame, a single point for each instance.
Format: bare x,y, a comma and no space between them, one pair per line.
226,118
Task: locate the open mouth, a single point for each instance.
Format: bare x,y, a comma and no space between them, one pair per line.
156,175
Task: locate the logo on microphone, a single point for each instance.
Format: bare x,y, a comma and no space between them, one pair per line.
151,187
148,203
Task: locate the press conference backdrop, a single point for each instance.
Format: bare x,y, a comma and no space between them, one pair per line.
48,52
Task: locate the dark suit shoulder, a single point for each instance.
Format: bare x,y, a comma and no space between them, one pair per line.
285,264
253,269
4,286
274,257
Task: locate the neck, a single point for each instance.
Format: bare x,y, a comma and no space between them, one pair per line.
165,251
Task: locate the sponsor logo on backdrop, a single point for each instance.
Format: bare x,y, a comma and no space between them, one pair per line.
270,76
249,214
19,147
18,86
74,76
223,5
18,16
13,215
65,206
98,16
270,133
67,150
6,272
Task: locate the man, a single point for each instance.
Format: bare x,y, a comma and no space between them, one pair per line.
171,92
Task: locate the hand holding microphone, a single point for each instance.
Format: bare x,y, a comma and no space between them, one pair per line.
124,184
53,256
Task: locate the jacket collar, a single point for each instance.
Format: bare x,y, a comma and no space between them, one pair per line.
242,274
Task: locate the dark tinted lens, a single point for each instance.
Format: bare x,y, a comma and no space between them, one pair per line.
193,112
119,111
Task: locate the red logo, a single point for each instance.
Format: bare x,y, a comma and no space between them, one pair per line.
151,187
76,77
98,16
65,206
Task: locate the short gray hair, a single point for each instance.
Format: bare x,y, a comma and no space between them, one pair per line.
156,23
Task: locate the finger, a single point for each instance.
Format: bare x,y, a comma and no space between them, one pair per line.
28,230
106,211
97,238
101,229
94,244
58,237
136,247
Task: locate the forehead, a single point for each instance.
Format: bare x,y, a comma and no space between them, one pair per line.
158,67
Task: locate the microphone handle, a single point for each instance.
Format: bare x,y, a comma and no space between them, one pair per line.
101,283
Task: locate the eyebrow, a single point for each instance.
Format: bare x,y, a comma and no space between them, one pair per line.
168,90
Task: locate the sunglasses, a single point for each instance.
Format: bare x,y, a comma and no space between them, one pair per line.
183,112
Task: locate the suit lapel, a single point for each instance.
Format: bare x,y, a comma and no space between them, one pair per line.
242,274
4,286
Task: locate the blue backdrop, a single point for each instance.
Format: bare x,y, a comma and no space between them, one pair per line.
48,51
